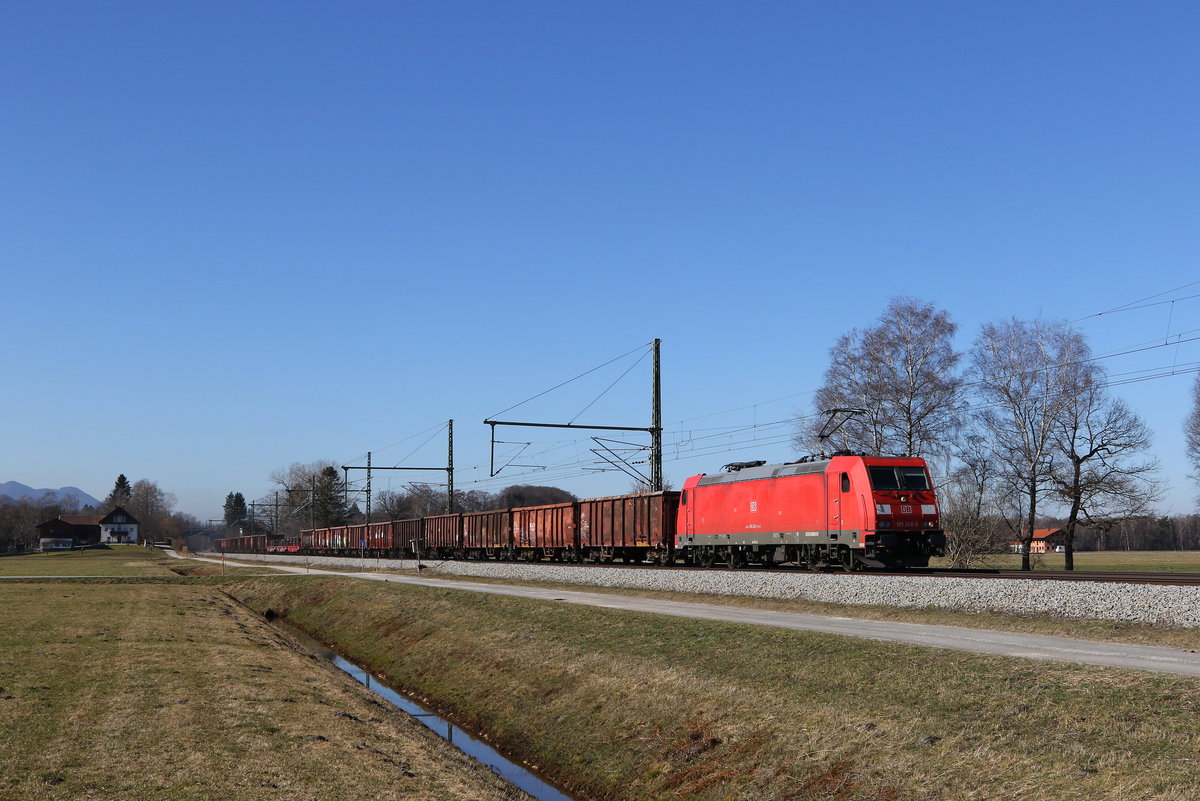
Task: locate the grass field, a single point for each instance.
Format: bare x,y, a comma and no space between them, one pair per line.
117,560
114,562
168,689
639,707
1116,561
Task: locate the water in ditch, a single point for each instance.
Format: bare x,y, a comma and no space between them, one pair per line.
472,746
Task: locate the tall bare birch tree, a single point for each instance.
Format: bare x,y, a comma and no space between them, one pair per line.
1025,372
903,373
1191,430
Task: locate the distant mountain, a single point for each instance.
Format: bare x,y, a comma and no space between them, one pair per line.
14,490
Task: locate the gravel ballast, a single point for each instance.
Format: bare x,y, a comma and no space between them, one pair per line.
1133,603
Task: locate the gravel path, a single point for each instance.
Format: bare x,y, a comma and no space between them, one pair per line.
1135,603
1029,646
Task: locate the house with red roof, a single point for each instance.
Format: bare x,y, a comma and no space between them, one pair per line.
1045,540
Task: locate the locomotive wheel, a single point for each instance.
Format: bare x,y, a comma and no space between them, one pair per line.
707,557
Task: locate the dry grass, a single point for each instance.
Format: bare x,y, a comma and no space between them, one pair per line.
1081,629
637,706
168,691
116,560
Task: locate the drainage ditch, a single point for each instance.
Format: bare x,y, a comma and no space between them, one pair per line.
468,743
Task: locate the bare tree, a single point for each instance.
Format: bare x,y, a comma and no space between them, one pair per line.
310,494
1025,372
966,504
1099,475
390,505
1191,430
903,373
152,506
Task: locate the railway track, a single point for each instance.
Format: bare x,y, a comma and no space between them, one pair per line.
1115,577
1180,579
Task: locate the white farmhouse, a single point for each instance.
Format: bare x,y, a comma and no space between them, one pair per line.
119,526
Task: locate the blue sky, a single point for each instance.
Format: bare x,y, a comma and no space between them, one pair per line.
235,236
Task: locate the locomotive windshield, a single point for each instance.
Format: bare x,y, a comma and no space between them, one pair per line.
898,478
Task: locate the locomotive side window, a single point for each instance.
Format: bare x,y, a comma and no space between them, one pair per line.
683,498
845,482
884,478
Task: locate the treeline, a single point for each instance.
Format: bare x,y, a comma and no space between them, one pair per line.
1145,533
1021,427
19,516
315,495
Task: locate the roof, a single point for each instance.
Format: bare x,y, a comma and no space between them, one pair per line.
72,520
80,520
1040,534
119,510
1046,533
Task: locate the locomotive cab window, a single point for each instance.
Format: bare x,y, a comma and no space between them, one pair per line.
884,478
913,478
845,482
898,478
683,498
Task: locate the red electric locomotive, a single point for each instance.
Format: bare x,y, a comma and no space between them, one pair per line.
845,510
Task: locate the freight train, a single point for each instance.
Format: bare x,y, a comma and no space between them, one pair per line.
846,510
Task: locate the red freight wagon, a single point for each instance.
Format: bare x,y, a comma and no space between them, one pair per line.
315,540
550,531
340,537
443,535
379,536
630,527
487,534
406,536
336,539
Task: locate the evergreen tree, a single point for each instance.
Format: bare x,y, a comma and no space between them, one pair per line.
122,491
235,508
329,498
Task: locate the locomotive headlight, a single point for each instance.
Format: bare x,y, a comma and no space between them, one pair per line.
883,508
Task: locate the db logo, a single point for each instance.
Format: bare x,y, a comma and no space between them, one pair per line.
906,510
